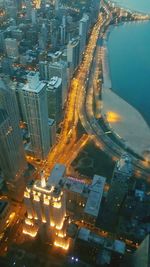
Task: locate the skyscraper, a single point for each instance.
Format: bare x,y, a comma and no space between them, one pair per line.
54,98
117,192
59,69
35,102
73,49
83,29
12,156
46,205
43,69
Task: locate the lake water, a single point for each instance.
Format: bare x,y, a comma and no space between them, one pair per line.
129,63
138,5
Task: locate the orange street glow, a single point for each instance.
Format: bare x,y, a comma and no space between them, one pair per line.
113,116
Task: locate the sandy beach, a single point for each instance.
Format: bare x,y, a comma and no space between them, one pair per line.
126,122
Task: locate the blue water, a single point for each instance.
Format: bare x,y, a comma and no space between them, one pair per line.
129,64
138,5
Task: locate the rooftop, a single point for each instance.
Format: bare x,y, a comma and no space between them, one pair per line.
74,185
124,164
54,82
95,196
56,175
51,122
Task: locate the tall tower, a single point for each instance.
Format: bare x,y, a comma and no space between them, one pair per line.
73,54
117,192
46,206
59,69
35,102
83,30
12,156
54,97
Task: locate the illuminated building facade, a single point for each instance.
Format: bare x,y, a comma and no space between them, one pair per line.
52,204
46,205
37,3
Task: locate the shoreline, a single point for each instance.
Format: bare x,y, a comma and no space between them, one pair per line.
137,139
118,4
126,122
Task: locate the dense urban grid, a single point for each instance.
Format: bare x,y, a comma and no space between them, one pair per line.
52,211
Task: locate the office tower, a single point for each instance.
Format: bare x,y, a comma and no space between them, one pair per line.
117,192
12,156
35,102
54,99
59,69
141,257
46,205
52,129
43,37
62,35
73,49
43,70
83,30
11,47
63,31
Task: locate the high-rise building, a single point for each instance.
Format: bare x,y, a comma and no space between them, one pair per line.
56,200
54,99
52,128
46,205
35,102
117,192
12,155
73,50
43,37
83,30
43,69
59,69
11,47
